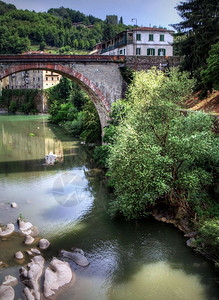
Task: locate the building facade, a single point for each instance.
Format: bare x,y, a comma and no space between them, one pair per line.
33,79
143,41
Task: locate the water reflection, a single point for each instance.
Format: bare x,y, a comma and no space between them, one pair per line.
159,281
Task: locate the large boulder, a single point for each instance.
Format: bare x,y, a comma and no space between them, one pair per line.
24,226
10,280
31,276
57,274
28,294
44,244
6,292
77,257
8,230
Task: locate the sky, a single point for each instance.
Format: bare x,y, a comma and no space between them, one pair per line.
147,12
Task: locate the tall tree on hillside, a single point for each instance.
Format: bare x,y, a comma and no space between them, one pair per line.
200,26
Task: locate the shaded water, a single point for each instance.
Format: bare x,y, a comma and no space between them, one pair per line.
68,202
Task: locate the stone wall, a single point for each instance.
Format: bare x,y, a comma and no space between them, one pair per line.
146,62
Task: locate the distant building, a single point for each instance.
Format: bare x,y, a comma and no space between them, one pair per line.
4,83
33,79
145,41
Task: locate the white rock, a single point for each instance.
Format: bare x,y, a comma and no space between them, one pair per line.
9,230
10,280
6,292
24,226
44,244
57,274
31,277
78,258
29,240
14,205
28,294
35,251
19,255
29,252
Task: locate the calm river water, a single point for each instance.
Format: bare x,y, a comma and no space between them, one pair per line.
68,202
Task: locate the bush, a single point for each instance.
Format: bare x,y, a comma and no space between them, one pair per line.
158,153
13,107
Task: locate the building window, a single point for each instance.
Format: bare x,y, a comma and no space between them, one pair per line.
58,78
124,51
46,78
161,52
161,37
150,52
33,78
138,37
38,78
120,52
52,78
138,51
151,37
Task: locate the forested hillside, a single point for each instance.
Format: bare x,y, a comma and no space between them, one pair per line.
19,29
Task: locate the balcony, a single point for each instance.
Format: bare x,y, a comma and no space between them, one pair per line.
123,42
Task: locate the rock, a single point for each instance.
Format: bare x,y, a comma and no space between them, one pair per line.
8,230
78,258
28,240
19,255
77,250
31,277
14,205
10,280
29,252
44,244
28,294
191,243
50,158
35,251
6,292
191,234
57,274
24,226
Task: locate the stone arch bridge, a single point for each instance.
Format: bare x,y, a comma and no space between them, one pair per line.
98,75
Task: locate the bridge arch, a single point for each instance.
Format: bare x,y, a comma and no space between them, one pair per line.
101,103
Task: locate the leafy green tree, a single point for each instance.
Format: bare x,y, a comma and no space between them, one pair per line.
42,45
209,75
200,26
158,153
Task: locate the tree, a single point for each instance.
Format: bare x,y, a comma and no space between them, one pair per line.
42,46
210,74
157,152
121,20
200,26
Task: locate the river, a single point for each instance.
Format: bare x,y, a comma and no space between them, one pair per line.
68,202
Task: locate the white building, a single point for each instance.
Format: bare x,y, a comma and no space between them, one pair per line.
144,41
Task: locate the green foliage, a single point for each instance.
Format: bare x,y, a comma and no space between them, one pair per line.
20,100
209,233
13,107
19,29
210,75
157,152
200,26
71,108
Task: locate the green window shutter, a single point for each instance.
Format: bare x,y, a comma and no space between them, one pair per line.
148,51
153,52
151,37
161,37
164,52
138,37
